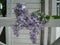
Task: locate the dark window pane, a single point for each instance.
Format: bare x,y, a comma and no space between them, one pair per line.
58,9
3,8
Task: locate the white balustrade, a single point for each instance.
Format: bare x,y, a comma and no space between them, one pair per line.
6,21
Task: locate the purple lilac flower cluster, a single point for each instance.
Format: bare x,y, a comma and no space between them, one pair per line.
25,20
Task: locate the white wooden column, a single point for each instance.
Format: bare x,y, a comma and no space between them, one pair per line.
54,9
8,31
6,21
9,8
45,35
53,34
8,36
46,6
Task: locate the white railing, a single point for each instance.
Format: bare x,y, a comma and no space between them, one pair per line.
6,21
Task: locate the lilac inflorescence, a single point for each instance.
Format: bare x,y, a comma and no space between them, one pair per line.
27,21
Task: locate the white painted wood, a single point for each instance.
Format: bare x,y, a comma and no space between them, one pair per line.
45,35
6,21
1,29
54,9
26,1
25,44
11,39
8,36
57,32
30,10
23,38
40,37
46,7
53,23
31,5
8,6
53,34
10,20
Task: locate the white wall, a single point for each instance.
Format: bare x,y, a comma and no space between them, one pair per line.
32,5
24,38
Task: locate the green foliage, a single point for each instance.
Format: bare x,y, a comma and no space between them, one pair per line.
38,12
56,17
47,17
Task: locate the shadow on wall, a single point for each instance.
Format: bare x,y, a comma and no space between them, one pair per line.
57,42
3,36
